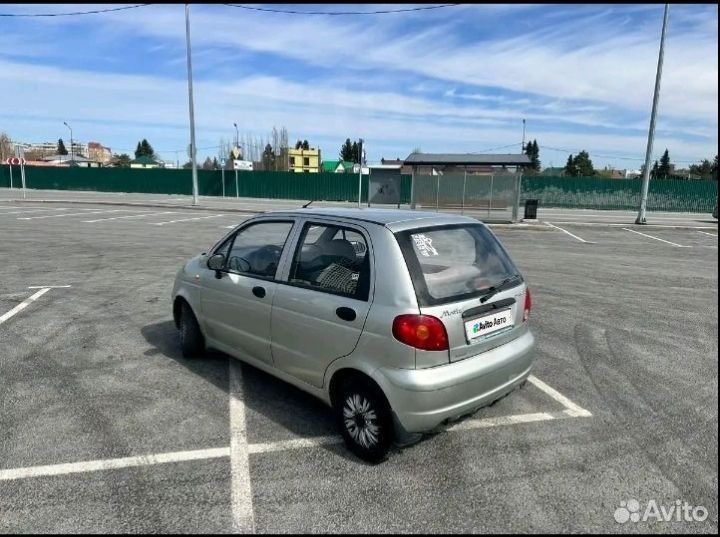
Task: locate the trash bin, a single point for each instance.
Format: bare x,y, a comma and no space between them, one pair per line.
531,209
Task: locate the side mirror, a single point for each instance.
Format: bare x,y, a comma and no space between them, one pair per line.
216,262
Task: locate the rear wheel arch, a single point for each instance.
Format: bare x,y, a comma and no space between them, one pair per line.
340,377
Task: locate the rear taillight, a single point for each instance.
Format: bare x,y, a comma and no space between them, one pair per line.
421,331
528,305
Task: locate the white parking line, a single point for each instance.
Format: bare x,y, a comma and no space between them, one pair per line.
501,420
295,444
24,304
128,216
605,224
571,409
242,508
616,216
186,219
69,214
31,211
111,464
656,238
49,286
239,449
706,233
566,231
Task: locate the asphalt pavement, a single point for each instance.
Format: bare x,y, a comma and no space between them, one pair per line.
106,428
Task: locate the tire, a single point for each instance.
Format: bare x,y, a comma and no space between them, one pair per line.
192,342
365,420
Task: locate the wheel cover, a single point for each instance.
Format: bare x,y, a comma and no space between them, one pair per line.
361,421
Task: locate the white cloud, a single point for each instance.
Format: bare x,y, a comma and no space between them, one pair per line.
580,72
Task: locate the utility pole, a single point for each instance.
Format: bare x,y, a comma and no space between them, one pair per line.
72,154
651,133
193,149
360,150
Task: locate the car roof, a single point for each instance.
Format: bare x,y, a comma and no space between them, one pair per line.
394,219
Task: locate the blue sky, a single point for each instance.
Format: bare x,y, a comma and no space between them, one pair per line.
449,80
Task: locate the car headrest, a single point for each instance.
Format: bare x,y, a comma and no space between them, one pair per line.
340,248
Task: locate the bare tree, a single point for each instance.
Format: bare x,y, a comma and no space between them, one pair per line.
225,152
6,147
275,145
283,153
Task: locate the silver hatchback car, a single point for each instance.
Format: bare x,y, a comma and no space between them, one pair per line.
401,321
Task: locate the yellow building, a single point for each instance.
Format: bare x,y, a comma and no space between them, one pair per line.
304,160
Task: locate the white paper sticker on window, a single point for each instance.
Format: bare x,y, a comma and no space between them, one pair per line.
424,245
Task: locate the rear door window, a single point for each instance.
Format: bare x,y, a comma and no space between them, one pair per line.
453,263
332,259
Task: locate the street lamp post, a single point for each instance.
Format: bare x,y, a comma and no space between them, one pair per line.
360,149
72,154
193,149
237,148
651,132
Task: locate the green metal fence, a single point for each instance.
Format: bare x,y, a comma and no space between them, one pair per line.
600,193
578,192
276,185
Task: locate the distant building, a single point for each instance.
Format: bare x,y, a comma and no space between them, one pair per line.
99,153
66,161
145,162
304,160
404,169
47,149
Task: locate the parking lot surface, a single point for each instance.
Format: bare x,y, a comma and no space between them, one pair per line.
105,427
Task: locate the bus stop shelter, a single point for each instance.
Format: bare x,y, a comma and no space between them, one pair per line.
485,184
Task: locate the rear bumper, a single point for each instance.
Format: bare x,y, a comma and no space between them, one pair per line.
422,399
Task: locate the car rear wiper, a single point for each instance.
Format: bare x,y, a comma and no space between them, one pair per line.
307,204
494,289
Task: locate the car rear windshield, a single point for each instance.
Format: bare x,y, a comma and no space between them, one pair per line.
454,262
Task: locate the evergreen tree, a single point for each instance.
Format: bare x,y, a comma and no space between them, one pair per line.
298,145
654,172
533,152
346,153
268,158
144,149
306,144
664,168
583,164
570,168
61,147
536,156
355,158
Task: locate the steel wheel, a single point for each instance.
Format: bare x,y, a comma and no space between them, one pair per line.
361,421
365,419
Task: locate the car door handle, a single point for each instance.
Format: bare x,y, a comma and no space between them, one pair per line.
346,314
259,292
